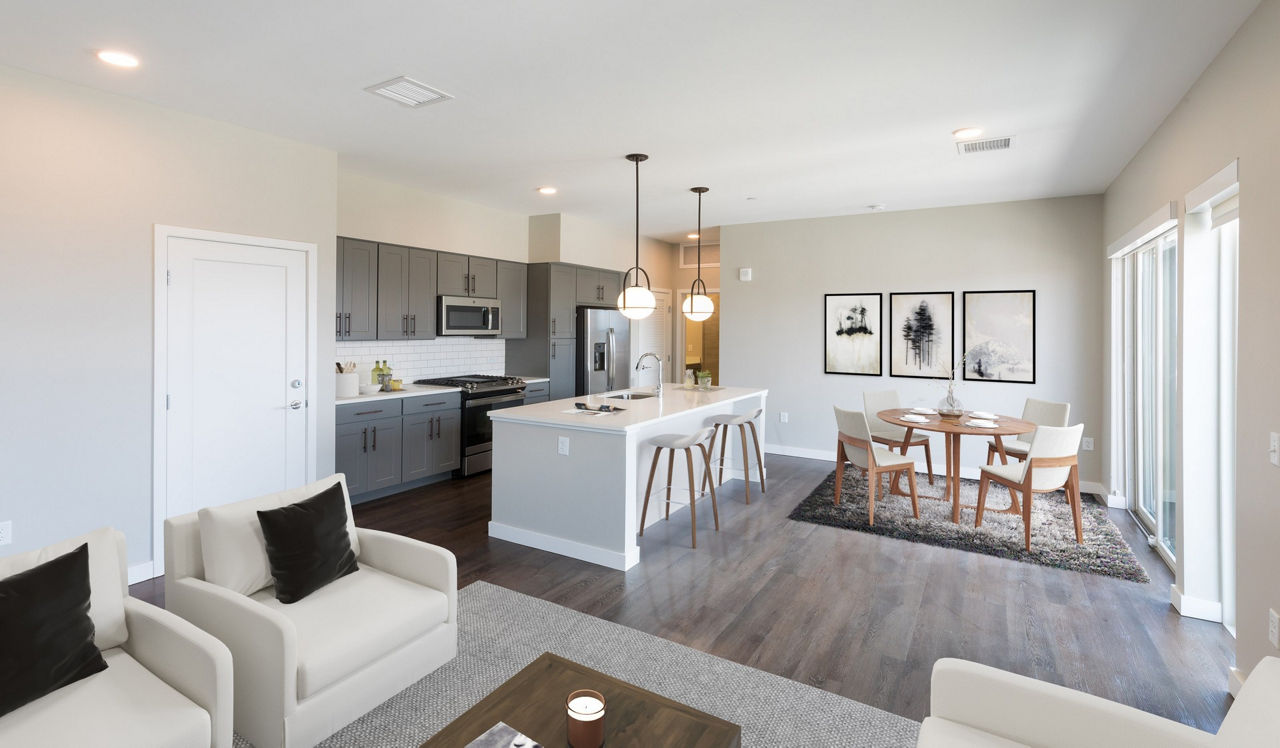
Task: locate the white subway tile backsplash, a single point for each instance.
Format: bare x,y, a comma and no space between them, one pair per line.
419,359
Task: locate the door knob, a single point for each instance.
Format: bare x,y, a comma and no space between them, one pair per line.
296,404
296,384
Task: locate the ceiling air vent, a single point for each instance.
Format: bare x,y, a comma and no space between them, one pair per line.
409,92
986,145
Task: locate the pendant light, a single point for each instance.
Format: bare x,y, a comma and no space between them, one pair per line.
697,305
636,301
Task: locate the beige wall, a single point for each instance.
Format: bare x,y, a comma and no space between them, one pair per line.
1233,111
772,327
86,175
397,214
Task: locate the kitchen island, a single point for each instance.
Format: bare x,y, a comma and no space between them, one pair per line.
573,483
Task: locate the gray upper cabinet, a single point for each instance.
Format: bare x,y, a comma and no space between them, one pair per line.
455,275
406,293
562,299
461,275
610,285
513,289
597,287
357,295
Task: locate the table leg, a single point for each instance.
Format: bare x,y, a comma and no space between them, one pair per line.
1004,459
955,478
946,484
895,487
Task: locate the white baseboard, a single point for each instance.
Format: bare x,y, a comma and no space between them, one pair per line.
1235,681
571,548
1195,607
812,454
141,572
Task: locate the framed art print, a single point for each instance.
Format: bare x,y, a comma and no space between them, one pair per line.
921,334
852,333
1000,336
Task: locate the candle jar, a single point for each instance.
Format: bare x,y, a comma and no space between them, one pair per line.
586,718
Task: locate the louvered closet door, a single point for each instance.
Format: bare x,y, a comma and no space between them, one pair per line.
653,334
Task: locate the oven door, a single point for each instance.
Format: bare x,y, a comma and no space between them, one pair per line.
477,429
460,315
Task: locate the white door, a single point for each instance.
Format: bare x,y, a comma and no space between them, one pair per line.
653,334
236,352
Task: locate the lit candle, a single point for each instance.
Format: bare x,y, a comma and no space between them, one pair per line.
586,719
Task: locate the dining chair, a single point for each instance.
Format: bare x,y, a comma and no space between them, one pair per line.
855,444
1051,464
892,435
1039,412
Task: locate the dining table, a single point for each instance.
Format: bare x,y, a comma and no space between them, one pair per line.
952,429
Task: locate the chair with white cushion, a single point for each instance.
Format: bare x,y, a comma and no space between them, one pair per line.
167,683
976,706
686,442
1051,464
306,669
1039,412
854,444
892,435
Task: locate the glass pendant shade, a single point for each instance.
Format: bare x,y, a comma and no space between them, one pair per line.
636,302
698,307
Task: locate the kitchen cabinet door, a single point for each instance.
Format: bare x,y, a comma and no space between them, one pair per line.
352,455
445,450
587,286
417,445
357,289
610,286
421,286
563,380
454,277
484,277
393,292
513,289
385,460
563,301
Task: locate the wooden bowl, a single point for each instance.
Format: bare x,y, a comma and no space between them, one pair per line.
950,415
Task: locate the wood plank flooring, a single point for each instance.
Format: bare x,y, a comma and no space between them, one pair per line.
856,614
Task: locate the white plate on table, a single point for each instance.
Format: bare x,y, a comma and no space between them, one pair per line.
925,411
982,415
913,418
980,423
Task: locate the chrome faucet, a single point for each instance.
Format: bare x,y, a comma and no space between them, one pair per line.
639,365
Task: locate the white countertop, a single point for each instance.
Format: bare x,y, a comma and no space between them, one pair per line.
675,401
409,390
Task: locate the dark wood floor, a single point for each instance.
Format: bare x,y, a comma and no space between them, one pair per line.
855,614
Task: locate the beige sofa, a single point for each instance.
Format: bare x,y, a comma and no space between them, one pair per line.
305,670
167,683
973,706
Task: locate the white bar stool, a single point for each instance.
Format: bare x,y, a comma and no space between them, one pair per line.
672,442
742,422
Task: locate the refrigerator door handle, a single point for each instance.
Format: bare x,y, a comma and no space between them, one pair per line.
608,365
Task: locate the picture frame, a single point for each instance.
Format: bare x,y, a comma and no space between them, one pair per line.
853,333
1000,336
922,335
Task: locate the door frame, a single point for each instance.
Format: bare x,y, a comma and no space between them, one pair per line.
160,370
677,341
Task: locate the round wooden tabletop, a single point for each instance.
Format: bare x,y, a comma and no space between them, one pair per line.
1005,425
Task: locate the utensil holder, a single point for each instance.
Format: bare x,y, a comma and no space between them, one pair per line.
347,385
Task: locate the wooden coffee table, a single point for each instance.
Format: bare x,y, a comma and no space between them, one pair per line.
533,702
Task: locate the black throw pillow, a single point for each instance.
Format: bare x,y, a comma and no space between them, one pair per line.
307,544
46,635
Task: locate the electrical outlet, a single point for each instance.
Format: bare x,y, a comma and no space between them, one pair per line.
783,416
1087,444
1273,628
1274,451
563,445
6,532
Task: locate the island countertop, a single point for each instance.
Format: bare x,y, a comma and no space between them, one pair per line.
675,401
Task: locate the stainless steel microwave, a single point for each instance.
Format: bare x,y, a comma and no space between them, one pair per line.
465,315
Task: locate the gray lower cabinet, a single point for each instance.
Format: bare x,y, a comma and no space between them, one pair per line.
445,450
352,442
369,453
461,275
431,440
357,295
382,444
406,293
537,392
385,459
513,290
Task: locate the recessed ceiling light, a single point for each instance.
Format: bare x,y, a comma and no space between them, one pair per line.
118,58
965,133
693,236
547,190
876,206
751,198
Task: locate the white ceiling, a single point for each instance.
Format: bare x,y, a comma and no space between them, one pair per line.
812,108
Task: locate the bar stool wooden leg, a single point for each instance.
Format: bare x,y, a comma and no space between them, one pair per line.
755,437
693,498
724,439
649,488
671,461
706,462
706,477
746,463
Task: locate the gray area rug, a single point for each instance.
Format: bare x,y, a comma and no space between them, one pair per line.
502,631
1053,540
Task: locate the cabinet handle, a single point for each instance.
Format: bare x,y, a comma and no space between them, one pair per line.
466,283
553,327
364,443
339,321
553,350
404,325
375,438
413,325
439,421
348,316
368,412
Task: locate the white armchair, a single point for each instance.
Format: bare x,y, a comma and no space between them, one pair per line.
305,670
167,683
974,705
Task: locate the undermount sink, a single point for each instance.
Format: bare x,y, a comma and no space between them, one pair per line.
631,396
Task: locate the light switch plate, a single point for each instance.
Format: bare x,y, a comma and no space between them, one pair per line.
563,445
783,416
1087,444
744,274
1273,628
1273,453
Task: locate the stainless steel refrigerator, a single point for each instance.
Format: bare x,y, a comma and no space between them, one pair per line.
604,351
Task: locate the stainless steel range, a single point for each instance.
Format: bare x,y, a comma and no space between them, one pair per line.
480,394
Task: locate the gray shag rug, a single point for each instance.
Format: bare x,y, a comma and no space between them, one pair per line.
1053,540
501,632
